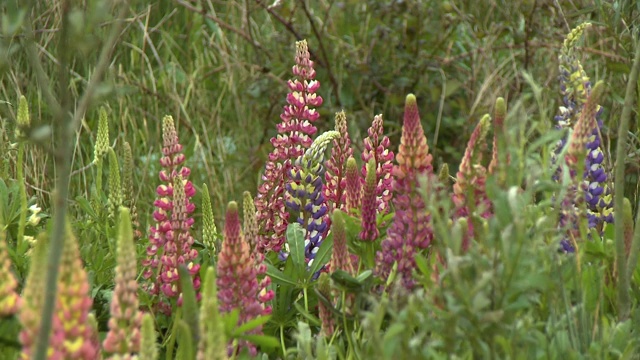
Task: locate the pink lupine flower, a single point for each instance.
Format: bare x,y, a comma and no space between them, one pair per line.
411,230
369,226
173,221
353,186
335,179
376,146
238,286
469,193
294,137
33,299
73,336
123,337
9,298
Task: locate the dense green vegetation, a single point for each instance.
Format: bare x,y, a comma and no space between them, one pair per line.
220,70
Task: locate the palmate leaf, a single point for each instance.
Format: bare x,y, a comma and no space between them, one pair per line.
295,239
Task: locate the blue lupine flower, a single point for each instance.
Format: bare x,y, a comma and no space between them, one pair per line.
575,88
305,193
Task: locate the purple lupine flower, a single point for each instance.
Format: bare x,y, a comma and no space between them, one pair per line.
172,229
570,213
411,228
376,146
306,197
294,137
575,88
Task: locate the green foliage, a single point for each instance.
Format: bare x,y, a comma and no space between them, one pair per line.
219,67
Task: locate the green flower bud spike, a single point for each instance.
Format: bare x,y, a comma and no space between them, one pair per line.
213,343
209,231
114,200
148,345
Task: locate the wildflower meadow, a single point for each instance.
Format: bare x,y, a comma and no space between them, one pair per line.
187,179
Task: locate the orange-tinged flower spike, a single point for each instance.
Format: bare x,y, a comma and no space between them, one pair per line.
411,228
237,281
369,209
335,179
340,259
376,146
499,131
9,299
123,337
73,336
353,186
33,298
324,312
250,221
469,193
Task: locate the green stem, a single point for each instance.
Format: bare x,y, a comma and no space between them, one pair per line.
284,349
306,299
63,155
623,129
23,195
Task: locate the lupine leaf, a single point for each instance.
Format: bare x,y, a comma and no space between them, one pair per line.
250,325
189,303
186,342
263,341
279,277
295,239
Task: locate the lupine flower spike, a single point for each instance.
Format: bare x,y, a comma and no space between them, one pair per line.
33,299
212,344
148,343
369,206
250,223
469,193
336,182
340,259
575,88
129,197
577,193
100,150
171,235
294,137
114,200
72,336
353,186
305,193
376,146
9,299
209,231
324,311
499,132
411,230
123,338
250,226
238,285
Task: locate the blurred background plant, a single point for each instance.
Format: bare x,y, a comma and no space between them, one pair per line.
219,68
